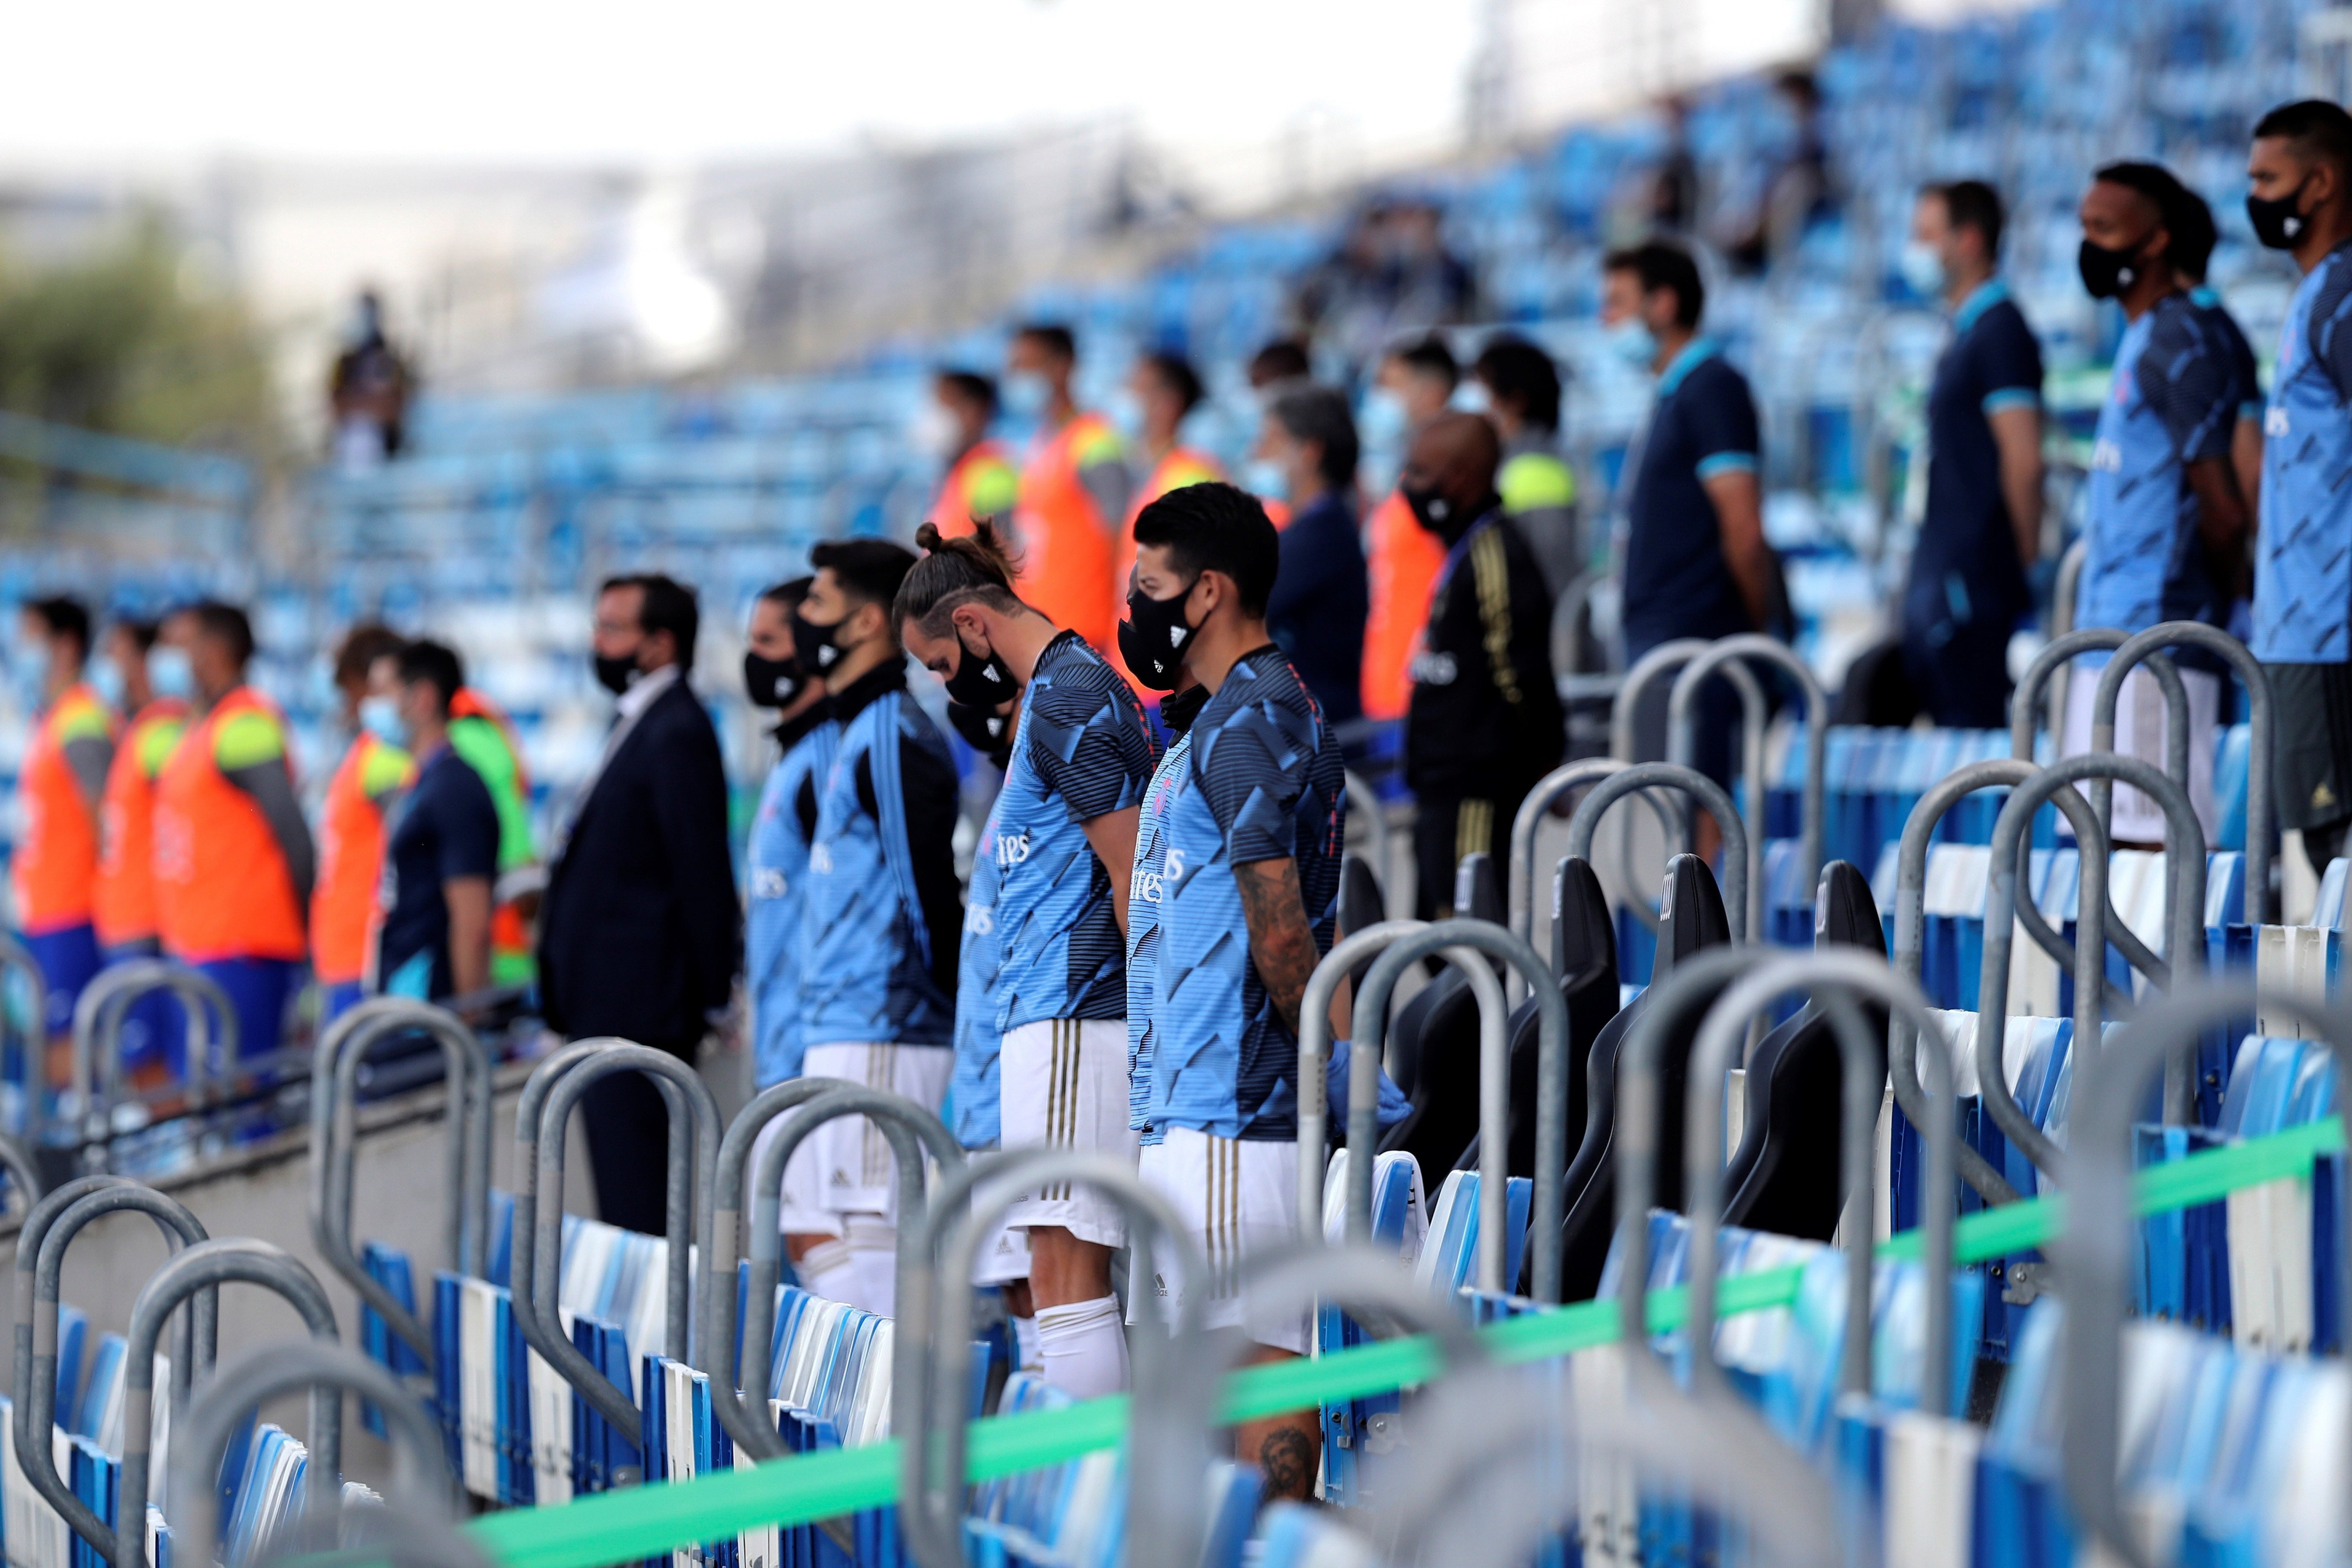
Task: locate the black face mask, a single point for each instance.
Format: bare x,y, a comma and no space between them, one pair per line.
1154,637
2109,273
982,730
981,683
1437,512
1178,711
613,675
772,682
2279,221
817,642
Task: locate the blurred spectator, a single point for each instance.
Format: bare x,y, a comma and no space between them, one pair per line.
1283,360
1391,274
375,768
1485,720
1434,286
952,429
53,872
1797,192
441,854
235,865
1983,518
1165,389
481,734
1538,489
1674,183
641,933
1696,563
367,392
1416,381
122,903
1280,361
2193,239
1317,607
1073,488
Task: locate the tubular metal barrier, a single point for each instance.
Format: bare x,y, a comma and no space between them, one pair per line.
1314,1050
2061,619
1682,745
1708,793
1460,941
334,1087
1659,663
98,1019
17,959
205,1265
933,1378
1361,797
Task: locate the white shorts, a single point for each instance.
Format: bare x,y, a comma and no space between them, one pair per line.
845,1166
1236,1196
1063,1086
2140,725
1003,1255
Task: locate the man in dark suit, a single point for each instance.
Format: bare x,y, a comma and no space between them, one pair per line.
641,931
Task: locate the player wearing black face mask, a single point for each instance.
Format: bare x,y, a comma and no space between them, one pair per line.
776,855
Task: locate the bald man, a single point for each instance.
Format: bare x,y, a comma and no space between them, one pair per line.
1485,721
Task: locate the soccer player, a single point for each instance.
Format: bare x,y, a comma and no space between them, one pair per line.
776,869
880,925
1248,883
1063,824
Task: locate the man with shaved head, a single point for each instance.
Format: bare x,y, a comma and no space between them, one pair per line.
1485,721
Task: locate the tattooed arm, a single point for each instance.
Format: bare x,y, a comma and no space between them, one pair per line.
1282,944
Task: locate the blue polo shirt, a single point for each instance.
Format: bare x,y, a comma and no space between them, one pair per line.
2172,403
1320,602
445,828
1965,567
2302,561
1677,583
2245,373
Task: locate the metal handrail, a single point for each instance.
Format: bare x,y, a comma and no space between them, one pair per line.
1314,1053
17,957
98,1019
2071,563
205,1265
334,1084
1479,937
911,1131
1359,792
1659,663
1711,795
1683,741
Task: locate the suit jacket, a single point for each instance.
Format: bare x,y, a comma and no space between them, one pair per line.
641,934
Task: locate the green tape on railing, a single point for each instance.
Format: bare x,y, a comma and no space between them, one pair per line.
613,1526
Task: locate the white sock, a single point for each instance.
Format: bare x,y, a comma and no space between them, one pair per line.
1084,1347
825,1270
1026,1354
873,1264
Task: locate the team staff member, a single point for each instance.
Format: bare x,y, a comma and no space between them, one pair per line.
2299,198
1074,487
775,870
1696,562
1983,521
54,871
2193,238
880,926
980,482
442,852
1321,601
122,903
1065,842
2163,507
1485,720
1414,383
485,738
234,862
1249,870
1165,389
1538,490
375,769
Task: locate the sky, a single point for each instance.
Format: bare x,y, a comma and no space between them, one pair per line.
500,82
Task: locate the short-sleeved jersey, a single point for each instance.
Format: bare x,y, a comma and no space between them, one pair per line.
1263,782
974,1087
2171,405
775,867
1143,894
1677,583
2302,562
444,828
1964,567
2245,373
1083,749
867,975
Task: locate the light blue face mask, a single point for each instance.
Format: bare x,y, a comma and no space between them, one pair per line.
28,661
1383,422
1025,393
1472,397
1265,479
380,717
1922,266
106,680
1124,412
171,674
1632,341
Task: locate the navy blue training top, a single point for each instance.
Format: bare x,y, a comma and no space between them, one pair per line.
1677,583
1965,566
444,828
2245,372
1321,601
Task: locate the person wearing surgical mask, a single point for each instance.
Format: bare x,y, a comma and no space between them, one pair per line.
1320,599
1538,488
375,769
122,903
789,692
1694,562
1162,390
1415,385
979,484
432,940
1981,529
54,870
1074,486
